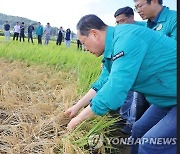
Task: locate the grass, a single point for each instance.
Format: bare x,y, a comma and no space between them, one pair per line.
79,68
86,65
89,136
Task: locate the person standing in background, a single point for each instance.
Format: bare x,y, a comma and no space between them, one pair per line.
125,15
60,36
47,33
79,44
7,31
159,17
39,32
127,111
30,30
68,37
16,31
22,31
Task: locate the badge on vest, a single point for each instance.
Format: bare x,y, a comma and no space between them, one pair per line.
159,27
118,55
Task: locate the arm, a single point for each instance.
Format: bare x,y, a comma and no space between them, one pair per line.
102,79
41,30
85,114
72,111
84,101
123,75
37,31
44,30
51,31
173,33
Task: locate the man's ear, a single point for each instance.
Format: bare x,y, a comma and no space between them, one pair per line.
154,2
131,18
94,33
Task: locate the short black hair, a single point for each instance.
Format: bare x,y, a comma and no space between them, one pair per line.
127,11
88,22
159,1
22,22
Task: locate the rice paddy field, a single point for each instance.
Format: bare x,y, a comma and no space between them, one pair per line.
37,84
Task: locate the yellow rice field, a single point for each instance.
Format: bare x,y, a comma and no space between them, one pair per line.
33,99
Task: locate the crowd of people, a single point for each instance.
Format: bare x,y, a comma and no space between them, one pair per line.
19,33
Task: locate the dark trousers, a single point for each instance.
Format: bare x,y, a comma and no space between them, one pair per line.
16,35
39,39
59,41
141,106
30,37
79,45
22,36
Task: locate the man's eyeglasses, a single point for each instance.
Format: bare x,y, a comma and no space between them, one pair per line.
138,7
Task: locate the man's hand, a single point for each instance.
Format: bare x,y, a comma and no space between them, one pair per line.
72,111
85,114
73,123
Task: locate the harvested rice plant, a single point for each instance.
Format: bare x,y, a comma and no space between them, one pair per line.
37,84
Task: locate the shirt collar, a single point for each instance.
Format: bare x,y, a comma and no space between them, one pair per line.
108,42
160,17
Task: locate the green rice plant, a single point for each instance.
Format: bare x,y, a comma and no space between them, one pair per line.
89,136
86,66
